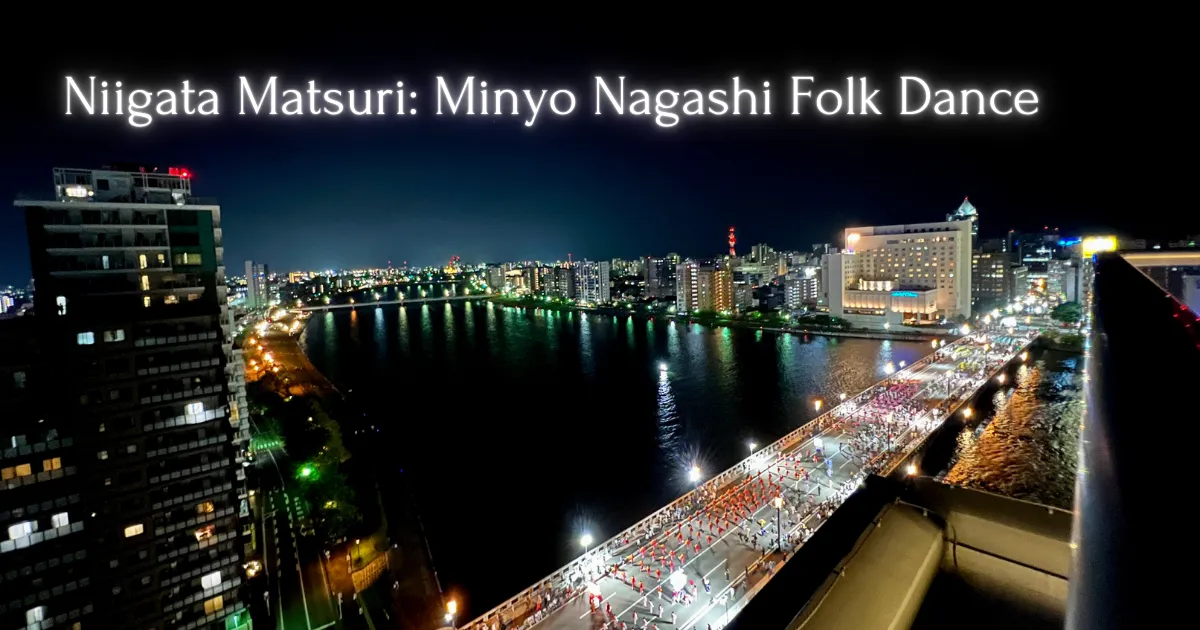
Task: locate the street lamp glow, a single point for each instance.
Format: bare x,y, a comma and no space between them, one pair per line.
662,367
452,608
585,541
1000,379
966,330
817,404
778,501
842,396
912,470
966,412
753,446
889,368
694,474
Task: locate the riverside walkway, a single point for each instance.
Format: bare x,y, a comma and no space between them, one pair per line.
696,562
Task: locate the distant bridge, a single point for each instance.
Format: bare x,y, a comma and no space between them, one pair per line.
445,298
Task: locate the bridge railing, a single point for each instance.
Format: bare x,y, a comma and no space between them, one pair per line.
552,587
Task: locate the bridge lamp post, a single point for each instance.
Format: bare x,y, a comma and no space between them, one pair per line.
817,404
451,611
842,396
778,523
585,541
752,446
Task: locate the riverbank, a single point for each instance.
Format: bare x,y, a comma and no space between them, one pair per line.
862,333
380,526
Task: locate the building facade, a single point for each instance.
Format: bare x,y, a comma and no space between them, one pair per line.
140,450
660,276
592,282
258,294
703,288
913,263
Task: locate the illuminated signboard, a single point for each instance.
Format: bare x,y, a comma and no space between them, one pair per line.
904,294
1094,244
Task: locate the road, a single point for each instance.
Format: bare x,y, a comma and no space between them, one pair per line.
298,587
729,537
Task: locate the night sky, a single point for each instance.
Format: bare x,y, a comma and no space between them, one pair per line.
345,192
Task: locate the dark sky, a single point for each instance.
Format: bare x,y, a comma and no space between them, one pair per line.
325,192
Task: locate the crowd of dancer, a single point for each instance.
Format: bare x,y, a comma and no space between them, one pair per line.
856,440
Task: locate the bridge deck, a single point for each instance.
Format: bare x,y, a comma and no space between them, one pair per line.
729,535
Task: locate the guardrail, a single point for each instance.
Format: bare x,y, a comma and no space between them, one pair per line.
520,604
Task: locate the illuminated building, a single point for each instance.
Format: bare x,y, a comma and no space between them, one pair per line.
257,293
592,282
123,498
660,276
703,288
896,273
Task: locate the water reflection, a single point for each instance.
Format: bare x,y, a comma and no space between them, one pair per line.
1027,448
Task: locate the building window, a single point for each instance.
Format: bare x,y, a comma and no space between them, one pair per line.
171,299
104,262
60,520
24,470
133,530
85,338
146,301
212,580
61,303
206,532
162,259
145,283
211,606
19,380
22,529
102,455
194,409
204,508
54,463
111,336
131,449
142,261
35,616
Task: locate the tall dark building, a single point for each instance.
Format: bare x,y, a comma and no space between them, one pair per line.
660,276
123,487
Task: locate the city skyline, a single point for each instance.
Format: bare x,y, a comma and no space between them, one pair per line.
308,194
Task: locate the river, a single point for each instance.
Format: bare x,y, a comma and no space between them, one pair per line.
524,429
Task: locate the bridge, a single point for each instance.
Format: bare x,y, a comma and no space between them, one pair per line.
445,298
696,562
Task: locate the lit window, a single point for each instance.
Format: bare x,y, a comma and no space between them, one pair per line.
211,606
142,261
162,259
102,455
7,473
194,409
35,615
145,283
205,532
133,530
85,338
60,520
204,508
104,262
21,530
24,470
171,299
54,463
111,336
146,301
131,449
61,302
212,580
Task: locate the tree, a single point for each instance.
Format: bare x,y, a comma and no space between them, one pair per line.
1067,312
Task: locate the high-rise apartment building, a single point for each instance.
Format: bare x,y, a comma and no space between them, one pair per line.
801,288
258,294
895,273
592,282
660,276
989,279
703,288
123,487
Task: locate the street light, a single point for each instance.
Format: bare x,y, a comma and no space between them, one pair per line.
778,529
694,474
752,446
585,542
912,470
842,396
451,611
817,403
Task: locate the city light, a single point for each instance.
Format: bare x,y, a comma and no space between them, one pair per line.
778,502
817,405
694,474
752,446
585,542
1095,244
912,470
